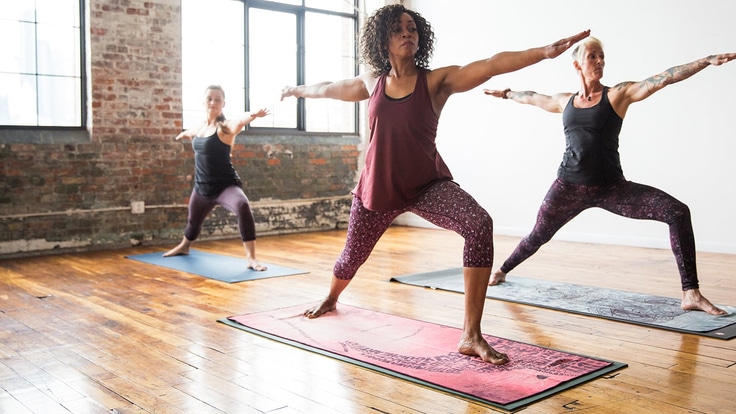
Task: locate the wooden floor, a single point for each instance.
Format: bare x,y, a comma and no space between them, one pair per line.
99,333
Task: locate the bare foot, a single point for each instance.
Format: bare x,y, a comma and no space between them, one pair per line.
480,348
319,310
693,300
254,265
497,278
179,250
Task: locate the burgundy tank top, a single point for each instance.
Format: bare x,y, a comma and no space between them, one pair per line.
401,159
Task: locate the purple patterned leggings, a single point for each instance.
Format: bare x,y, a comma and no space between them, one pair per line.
232,199
564,201
444,204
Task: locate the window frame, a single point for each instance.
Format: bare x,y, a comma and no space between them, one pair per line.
300,11
50,133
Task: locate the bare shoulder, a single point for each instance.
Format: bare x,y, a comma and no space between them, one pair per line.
369,80
621,86
440,79
562,98
621,90
439,75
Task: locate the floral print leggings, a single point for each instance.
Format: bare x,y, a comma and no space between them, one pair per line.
444,204
565,200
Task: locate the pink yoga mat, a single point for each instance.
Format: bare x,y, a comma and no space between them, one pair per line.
426,353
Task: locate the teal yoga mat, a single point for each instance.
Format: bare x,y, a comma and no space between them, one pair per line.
224,268
637,308
425,353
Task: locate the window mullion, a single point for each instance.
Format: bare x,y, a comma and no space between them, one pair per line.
300,70
36,74
246,56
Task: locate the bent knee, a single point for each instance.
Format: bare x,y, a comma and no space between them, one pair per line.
680,212
243,208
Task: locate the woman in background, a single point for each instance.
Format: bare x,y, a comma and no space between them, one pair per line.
215,180
590,174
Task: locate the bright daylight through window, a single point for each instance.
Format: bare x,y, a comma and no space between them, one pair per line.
40,69
262,46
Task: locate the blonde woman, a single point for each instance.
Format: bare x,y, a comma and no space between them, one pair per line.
590,174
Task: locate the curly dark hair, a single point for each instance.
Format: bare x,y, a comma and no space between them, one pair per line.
376,33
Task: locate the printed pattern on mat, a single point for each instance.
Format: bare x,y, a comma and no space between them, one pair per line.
426,351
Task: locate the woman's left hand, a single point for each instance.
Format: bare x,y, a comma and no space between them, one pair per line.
716,60
560,46
496,93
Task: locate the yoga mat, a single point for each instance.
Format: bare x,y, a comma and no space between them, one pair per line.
637,308
425,353
215,266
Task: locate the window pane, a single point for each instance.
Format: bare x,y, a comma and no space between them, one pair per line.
225,62
17,99
273,65
330,56
59,101
18,10
343,6
41,70
62,12
18,47
58,50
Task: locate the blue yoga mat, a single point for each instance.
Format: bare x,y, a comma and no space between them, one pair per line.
637,308
215,266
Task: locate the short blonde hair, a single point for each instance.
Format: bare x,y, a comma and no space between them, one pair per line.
588,41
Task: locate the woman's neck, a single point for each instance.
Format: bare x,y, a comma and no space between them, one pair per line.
588,91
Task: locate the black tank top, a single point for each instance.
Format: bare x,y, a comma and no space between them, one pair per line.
213,169
591,144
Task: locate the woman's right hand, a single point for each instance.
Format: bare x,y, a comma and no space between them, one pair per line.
189,134
496,93
287,92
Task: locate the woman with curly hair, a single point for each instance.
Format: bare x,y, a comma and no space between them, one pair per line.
403,171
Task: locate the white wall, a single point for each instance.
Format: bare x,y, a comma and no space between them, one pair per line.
681,139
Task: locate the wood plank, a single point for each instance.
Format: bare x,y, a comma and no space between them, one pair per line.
96,332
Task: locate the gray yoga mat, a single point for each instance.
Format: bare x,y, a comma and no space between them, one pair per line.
637,308
215,266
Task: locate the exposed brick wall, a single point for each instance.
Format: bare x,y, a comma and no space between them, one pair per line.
58,196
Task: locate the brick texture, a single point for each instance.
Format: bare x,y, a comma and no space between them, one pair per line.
58,197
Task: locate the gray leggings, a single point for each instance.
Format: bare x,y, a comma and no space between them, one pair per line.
444,204
564,201
232,199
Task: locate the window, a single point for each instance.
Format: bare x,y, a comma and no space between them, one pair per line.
41,81
265,45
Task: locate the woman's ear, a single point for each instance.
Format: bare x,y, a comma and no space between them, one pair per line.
576,64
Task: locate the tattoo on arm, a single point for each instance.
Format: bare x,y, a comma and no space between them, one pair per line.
675,74
622,85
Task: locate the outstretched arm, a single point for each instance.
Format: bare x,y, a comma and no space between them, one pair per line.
463,78
237,124
232,127
350,90
626,93
550,103
188,134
